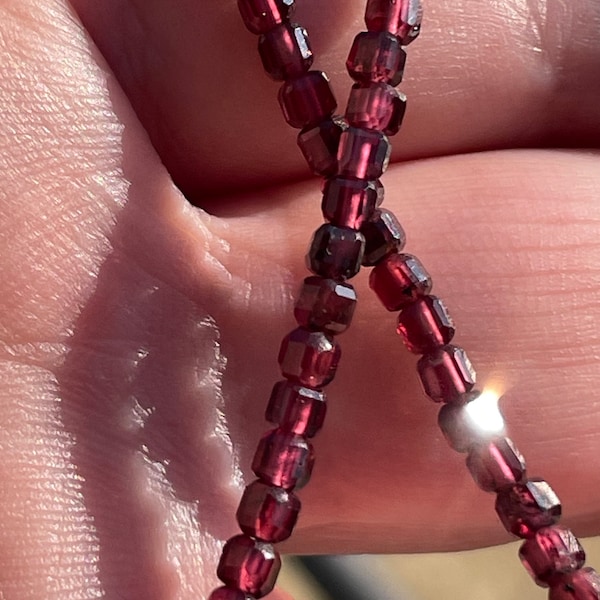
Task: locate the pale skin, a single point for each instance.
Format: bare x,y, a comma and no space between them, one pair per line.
139,334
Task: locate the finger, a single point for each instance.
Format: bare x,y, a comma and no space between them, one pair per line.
483,75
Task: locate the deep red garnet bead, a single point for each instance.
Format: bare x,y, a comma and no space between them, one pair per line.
525,508
350,202
296,409
319,144
363,154
249,565
580,585
268,513
325,304
226,593
376,106
551,553
400,17
376,57
425,325
383,236
285,51
398,280
309,357
336,252
283,459
496,464
260,16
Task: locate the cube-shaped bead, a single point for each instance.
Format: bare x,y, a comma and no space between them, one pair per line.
376,57
551,553
285,51
319,145
296,409
525,508
283,459
496,464
260,16
307,100
267,513
349,202
383,236
363,154
425,325
325,305
376,106
400,17
225,593
446,374
249,565
309,357
580,585
335,252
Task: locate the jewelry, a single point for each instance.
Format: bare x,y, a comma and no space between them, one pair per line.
352,153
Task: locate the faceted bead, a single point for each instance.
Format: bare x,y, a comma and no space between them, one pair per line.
296,409
268,513
376,57
496,464
377,106
309,357
283,459
285,51
336,252
319,145
383,236
349,202
580,585
400,17
325,304
425,325
551,553
225,593
307,100
260,16
399,280
249,565
525,508
363,154
446,374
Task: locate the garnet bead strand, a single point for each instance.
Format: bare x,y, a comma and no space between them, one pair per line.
383,236
227,593
350,202
376,57
376,106
580,585
336,252
285,51
319,144
363,153
399,17
496,464
260,16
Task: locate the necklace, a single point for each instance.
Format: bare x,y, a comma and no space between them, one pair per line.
352,154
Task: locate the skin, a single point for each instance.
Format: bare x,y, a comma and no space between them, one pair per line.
138,333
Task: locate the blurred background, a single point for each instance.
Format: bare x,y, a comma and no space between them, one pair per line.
488,574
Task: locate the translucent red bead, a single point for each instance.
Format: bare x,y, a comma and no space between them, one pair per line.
267,513
260,16
283,459
376,57
249,565
425,325
496,464
296,409
335,252
307,100
376,106
383,236
319,145
580,585
225,593
349,202
285,51
363,154
525,508
400,17
551,553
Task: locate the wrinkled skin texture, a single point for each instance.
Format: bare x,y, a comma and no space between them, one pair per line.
138,334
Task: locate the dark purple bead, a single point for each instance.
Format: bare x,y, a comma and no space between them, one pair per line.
296,409
260,16
551,553
225,593
268,513
425,325
525,508
285,51
336,252
319,144
307,100
376,57
398,280
349,202
400,17
383,236
363,154
496,464
377,106
283,459
309,357
249,565
581,585
325,305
